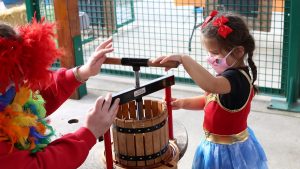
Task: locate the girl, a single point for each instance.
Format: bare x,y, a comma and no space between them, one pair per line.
228,143
29,92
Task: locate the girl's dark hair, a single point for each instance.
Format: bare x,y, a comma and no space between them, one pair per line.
7,31
240,36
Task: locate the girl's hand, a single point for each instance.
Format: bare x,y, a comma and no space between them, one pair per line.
93,66
176,103
173,57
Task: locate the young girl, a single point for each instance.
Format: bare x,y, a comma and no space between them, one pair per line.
228,143
29,92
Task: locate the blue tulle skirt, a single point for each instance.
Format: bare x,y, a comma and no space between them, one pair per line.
243,155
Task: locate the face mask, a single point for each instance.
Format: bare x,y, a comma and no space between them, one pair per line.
219,64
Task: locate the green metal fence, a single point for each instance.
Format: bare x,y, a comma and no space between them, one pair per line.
169,26
150,28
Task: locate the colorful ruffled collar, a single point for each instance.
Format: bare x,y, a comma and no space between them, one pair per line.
22,120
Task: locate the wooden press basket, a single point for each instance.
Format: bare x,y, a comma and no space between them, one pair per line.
141,143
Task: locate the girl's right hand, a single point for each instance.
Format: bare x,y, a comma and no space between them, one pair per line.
164,59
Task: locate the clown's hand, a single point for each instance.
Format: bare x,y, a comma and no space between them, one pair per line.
93,66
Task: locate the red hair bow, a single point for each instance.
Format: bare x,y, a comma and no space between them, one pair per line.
223,30
209,18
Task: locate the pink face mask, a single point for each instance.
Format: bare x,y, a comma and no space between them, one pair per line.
219,64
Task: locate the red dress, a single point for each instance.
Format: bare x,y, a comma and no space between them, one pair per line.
229,143
220,120
223,121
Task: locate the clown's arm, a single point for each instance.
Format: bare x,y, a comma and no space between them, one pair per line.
63,85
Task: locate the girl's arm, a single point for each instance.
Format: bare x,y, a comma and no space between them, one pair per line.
203,78
200,75
189,103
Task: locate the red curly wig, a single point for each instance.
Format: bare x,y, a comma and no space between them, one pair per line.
26,60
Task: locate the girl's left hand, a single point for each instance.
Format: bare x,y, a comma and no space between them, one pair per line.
164,59
176,103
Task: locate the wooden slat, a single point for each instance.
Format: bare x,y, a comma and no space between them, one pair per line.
166,131
132,109
119,114
172,159
122,141
160,106
130,140
154,106
139,143
115,141
156,139
125,111
148,136
163,131
147,108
